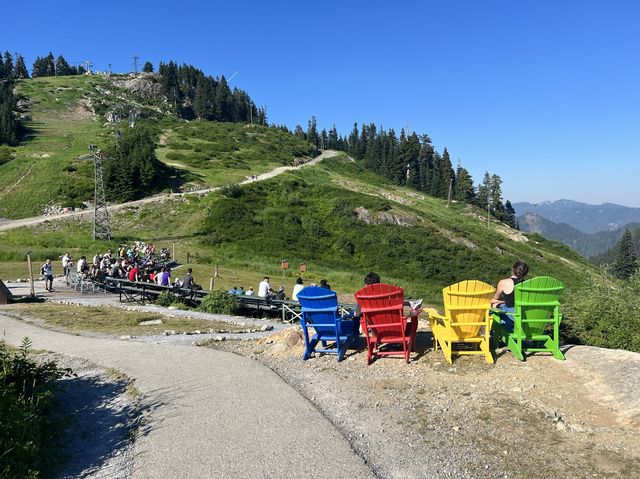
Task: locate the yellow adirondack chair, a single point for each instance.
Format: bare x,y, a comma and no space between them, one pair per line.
466,312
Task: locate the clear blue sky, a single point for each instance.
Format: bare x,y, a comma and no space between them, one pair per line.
544,93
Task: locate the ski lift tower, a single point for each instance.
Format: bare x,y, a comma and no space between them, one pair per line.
101,230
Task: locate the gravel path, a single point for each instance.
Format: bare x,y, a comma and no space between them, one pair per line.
12,224
211,413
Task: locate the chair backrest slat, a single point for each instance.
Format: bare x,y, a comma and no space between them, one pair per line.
467,302
537,298
381,304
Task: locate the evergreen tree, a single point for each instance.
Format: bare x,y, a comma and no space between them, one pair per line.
8,123
353,141
409,156
8,65
299,132
626,263
333,138
447,175
148,67
62,68
3,73
223,101
134,171
324,139
20,70
463,190
312,132
482,196
510,215
425,161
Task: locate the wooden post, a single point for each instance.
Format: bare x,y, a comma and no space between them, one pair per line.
216,274
33,293
173,251
210,284
188,258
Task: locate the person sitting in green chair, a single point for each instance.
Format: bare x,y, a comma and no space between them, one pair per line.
504,297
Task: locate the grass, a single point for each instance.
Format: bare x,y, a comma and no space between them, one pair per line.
52,164
308,216
61,131
222,153
116,321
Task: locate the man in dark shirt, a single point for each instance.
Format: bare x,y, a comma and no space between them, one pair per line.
187,282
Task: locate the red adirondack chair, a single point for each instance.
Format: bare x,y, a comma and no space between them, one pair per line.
383,323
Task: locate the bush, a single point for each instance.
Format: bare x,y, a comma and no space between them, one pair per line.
220,302
166,298
605,314
30,434
6,154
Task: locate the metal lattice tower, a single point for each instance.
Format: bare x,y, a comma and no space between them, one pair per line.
101,228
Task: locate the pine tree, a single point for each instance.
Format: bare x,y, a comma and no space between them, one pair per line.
626,263
148,67
324,139
509,215
49,66
299,132
3,73
20,70
448,175
482,196
62,68
8,124
312,132
222,101
353,141
8,65
463,190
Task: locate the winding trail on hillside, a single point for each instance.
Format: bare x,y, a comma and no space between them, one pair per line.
12,224
210,413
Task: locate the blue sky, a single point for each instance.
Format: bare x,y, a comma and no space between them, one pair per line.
546,94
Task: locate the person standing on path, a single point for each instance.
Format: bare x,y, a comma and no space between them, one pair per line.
66,266
48,275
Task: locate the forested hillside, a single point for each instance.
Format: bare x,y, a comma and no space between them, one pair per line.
587,244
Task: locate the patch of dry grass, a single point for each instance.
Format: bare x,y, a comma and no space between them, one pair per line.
109,320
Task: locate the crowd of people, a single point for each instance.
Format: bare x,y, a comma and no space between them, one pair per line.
267,292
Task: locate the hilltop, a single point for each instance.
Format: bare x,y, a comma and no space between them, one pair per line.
64,115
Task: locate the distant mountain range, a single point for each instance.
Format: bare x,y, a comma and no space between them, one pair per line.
587,244
582,216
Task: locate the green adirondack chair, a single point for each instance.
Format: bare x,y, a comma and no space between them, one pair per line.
536,308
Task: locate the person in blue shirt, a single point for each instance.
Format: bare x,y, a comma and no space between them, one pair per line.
233,290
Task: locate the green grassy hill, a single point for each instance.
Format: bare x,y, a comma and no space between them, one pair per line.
336,217
67,114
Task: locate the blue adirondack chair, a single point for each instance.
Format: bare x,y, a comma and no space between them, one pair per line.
320,312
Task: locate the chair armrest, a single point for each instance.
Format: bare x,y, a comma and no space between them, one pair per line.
433,312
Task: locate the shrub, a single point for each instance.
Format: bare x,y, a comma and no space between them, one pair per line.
166,298
220,302
29,436
605,313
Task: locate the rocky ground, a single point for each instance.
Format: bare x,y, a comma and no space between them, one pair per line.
533,419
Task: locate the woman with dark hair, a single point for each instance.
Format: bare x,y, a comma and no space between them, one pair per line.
505,293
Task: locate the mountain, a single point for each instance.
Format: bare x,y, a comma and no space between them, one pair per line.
582,216
587,244
609,256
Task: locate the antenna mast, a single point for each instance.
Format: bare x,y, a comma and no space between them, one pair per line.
135,63
101,230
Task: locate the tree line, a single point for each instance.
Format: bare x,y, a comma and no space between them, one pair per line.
9,70
192,94
411,160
